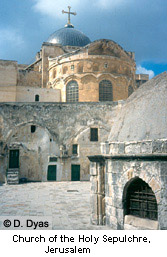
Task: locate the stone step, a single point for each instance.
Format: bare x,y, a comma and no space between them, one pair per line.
12,176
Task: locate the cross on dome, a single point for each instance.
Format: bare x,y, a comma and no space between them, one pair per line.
69,20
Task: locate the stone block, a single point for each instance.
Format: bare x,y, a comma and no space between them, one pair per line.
164,146
146,147
132,148
114,148
154,185
113,222
93,169
104,147
140,223
121,148
157,146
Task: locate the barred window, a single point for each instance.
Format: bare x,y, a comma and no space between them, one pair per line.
130,90
141,201
105,91
94,134
72,91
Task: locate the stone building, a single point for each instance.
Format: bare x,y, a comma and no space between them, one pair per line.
75,101
129,178
72,81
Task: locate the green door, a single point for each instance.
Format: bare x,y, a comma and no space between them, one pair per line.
13,159
52,173
75,172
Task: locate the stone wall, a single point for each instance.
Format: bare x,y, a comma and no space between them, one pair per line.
27,94
90,66
57,128
28,78
124,162
8,80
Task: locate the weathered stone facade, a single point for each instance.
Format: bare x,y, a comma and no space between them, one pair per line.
116,170
54,136
100,60
129,177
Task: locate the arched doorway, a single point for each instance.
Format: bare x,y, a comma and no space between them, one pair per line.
139,200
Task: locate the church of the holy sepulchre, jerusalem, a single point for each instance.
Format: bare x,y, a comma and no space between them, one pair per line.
80,112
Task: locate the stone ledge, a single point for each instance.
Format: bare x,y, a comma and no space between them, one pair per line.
132,222
138,147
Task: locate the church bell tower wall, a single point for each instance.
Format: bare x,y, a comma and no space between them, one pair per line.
48,50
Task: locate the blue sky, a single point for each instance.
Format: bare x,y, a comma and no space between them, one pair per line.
139,26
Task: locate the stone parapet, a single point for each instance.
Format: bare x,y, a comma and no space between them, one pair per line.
138,147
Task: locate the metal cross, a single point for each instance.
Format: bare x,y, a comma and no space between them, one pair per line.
73,13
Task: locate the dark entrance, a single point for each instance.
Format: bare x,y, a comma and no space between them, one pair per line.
75,172
13,159
140,200
52,169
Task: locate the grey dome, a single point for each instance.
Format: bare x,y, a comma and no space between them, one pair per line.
69,36
144,114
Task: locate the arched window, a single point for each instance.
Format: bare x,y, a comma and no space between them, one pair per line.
72,91
130,90
36,98
105,91
140,200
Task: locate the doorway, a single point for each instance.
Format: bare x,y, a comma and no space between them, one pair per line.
13,159
52,170
75,172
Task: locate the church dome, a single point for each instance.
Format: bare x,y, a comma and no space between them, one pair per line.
68,36
144,114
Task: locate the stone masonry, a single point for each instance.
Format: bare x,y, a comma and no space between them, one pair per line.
120,164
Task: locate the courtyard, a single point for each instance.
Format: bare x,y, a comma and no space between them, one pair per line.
67,203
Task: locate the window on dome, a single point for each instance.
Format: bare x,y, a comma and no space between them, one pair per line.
106,65
72,91
72,67
105,91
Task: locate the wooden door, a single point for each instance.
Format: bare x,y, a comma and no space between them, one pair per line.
75,172
13,159
52,169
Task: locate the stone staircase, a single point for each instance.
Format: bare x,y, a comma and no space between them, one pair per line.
12,176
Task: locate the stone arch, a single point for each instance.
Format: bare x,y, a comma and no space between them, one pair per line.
139,199
86,78
35,146
28,123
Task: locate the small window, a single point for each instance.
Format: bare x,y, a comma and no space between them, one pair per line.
75,149
33,128
53,159
106,65
36,98
72,67
94,134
